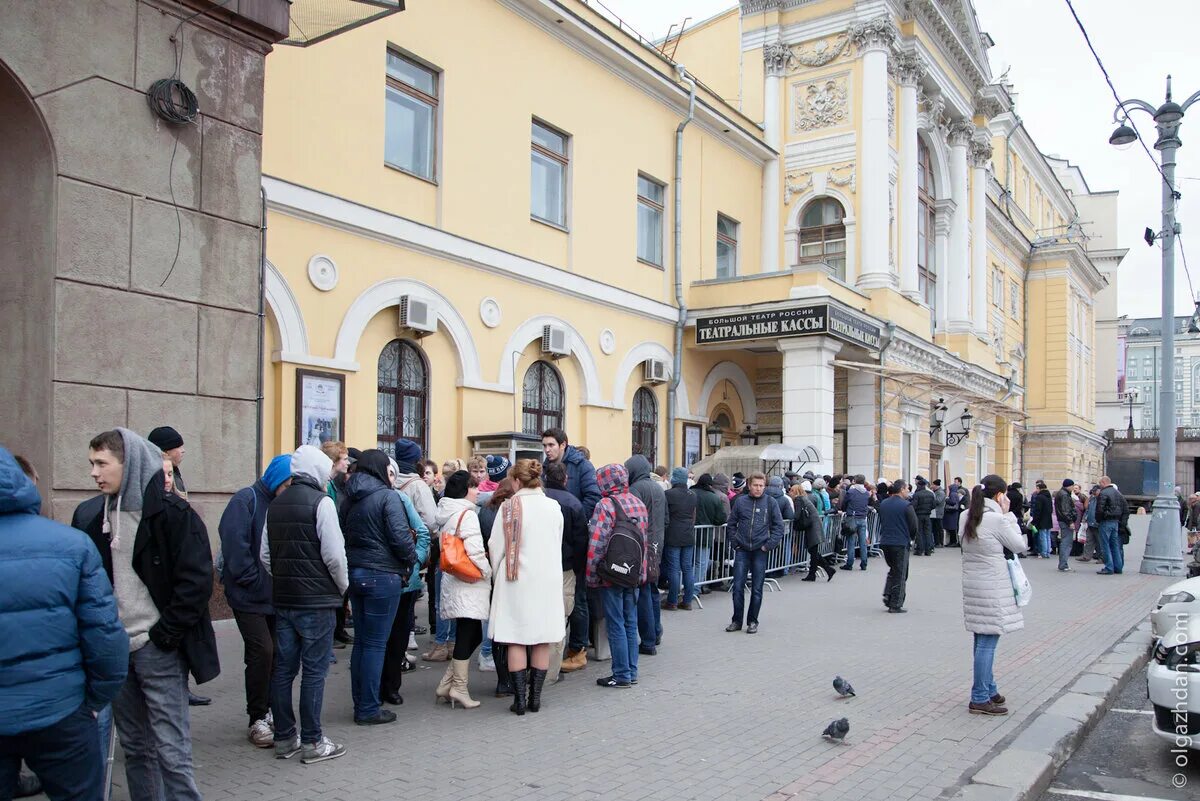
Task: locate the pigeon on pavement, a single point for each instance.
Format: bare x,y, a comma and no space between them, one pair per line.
837,730
843,687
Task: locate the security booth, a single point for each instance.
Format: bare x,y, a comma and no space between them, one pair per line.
511,444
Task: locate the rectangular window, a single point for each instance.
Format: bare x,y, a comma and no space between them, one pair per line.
650,197
997,288
548,176
1133,373
727,233
410,124
1014,298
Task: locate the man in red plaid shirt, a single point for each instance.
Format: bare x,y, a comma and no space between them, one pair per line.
620,603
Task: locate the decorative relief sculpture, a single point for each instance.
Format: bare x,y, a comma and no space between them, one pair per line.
891,110
796,183
822,52
959,132
980,151
777,58
909,68
932,108
820,105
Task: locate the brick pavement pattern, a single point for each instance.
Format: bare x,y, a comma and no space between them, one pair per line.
715,715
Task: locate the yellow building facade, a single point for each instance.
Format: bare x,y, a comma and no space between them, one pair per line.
810,226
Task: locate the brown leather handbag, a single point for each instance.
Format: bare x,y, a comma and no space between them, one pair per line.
454,559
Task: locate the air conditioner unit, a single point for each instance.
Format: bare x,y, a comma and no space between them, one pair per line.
656,371
416,315
554,341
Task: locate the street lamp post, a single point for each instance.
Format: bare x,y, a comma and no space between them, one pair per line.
1164,551
1131,396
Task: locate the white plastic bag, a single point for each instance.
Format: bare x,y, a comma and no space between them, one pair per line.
1022,589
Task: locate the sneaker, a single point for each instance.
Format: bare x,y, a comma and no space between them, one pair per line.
734,627
1065,570
319,752
752,628
667,606
611,681
487,664
420,630
383,716
260,734
412,642
286,749
988,707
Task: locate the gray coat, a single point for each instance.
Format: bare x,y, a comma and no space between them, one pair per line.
650,492
939,498
989,606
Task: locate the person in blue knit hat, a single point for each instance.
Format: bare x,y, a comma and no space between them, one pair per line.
248,588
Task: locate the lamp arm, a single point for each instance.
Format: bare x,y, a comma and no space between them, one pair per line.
1136,104
1185,104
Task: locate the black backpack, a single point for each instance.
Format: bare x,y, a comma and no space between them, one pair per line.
622,562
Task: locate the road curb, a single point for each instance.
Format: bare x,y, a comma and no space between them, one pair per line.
1024,766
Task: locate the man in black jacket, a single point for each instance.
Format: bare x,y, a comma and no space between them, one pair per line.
897,527
1112,516
156,551
1064,507
574,548
923,503
1041,511
680,542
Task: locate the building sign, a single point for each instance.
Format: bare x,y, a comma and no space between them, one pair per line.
810,319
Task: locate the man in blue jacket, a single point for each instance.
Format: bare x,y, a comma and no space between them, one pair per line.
581,482
248,589
897,528
856,501
53,684
755,527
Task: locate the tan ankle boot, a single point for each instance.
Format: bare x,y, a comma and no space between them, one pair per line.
458,684
443,689
575,660
438,653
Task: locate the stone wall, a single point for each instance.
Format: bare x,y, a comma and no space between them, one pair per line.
124,338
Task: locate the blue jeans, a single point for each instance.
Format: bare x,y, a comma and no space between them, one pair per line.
485,649
984,685
621,619
445,630
677,561
1110,544
104,722
580,618
303,637
151,713
859,538
64,755
745,562
1044,542
649,615
374,598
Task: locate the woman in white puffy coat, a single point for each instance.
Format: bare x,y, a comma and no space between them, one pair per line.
989,604
465,602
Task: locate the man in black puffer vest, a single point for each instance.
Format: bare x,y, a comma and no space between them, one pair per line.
305,554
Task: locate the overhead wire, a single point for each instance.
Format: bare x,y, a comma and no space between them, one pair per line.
1129,120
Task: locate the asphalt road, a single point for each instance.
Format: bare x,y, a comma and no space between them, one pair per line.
1122,759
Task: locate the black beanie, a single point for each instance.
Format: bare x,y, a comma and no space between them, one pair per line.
458,484
165,438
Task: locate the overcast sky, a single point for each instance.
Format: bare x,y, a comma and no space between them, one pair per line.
1067,107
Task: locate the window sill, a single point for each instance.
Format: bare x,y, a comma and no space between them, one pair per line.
410,174
549,224
651,264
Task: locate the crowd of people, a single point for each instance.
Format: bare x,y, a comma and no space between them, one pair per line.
527,564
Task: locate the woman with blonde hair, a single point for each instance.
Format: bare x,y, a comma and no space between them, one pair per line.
527,599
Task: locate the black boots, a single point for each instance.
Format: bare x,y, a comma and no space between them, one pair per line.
503,682
518,679
536,679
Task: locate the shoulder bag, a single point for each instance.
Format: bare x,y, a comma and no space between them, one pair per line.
454,559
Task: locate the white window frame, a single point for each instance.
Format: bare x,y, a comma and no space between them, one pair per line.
737,251
434,101
661,208
564,159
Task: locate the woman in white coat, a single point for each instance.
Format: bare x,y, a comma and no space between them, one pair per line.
989,604
465,602
527,600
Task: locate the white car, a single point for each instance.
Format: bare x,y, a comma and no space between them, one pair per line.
1181,598
1173,683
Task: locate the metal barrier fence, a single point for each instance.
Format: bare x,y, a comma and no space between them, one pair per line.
712,562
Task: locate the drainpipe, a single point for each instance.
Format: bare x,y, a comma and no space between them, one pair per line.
889,334
262,321
681,322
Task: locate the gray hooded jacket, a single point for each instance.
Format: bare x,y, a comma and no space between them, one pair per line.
647,489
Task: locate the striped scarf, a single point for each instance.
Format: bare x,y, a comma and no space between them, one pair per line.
512,536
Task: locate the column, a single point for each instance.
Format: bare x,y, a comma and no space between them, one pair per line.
808,395
874,40
958,315
910,70
777,58
980,155
944,209
861,416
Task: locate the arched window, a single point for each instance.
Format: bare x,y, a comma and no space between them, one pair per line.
402,402
926,232
542,405
645,424
823,235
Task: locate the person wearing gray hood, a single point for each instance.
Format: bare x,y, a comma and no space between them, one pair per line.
155,549
305,553
646,488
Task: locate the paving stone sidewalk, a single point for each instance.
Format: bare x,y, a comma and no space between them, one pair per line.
715,715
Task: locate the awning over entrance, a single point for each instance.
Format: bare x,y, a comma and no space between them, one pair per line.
917,386
315,21
773,459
